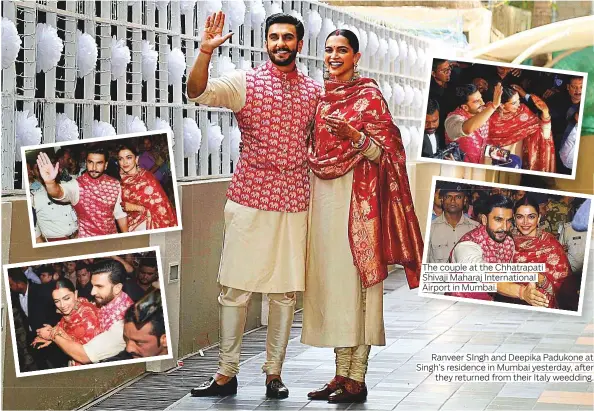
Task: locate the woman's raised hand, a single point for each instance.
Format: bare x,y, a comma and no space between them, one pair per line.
212,37
341,129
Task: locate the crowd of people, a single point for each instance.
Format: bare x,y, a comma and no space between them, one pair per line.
87,311
502,116
104,188
473,224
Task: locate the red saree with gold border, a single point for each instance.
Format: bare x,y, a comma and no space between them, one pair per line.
383,228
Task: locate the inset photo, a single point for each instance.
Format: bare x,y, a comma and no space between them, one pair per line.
87,311
481,231
101,188
504,117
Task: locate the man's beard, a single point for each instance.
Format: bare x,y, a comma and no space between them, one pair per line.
95,174
288,61
493,236
106,300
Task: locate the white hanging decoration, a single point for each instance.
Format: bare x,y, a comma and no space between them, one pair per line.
257,13
409,95
302,67
357,34
176,66
215,138
394,49
362,41
49,47
102,129
327,28
318,75
418,98
373,45
245,64
404,135
383,48
225,65
275,8
66,129
421,58
192,137
212,6
11,42
149,60
314,23
297,15
27,131
187,6
386,90
234,139
403,49
86,55
235,11
134,124
412,56
414,138
120,58
399,94
163,125
162,5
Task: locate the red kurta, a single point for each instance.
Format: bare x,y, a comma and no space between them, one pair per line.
97,200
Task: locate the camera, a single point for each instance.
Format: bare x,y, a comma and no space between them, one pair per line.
452,149
497,153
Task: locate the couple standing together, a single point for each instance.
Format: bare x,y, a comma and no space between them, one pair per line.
335,243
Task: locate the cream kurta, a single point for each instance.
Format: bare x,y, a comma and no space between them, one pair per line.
333,303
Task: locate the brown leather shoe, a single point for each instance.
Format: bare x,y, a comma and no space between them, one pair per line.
343,396
321,394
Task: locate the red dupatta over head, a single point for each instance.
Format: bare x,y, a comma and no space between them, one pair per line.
383,227
509,128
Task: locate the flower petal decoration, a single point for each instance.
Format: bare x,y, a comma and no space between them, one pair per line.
187,6
412,56
409,95
86,55
163,125
102,129
373,45
386,90
176,66
275,8
49,47
212,6
235,138
399,94
421,58
66,129
363,39
245,64
314,23
134,124
225,65
215,138
403,49
192,137
327,28
383,48
27,131
418,98
257,12
120,58
162,5
297,15
235,11
302,67
149,60
11,42
405,136
394,49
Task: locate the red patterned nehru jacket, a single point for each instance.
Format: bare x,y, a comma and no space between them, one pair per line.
97,200
272,173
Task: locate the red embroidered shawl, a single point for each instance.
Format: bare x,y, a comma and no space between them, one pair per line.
538,151
383,227
145,190
473,145
82,324
544,248
114,311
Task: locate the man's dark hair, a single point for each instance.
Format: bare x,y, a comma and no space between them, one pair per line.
436,63
497,201
44,269
463,92
82,266
16,275
148,261
148,309
117,272
574,77
432,106
60,153
507,94
96,149
283,18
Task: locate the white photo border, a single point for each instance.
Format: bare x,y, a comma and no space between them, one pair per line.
572,176
497,303
168,356
151,133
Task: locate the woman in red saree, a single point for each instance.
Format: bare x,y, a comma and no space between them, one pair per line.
516,128
361,220
143,198
534,245
80,318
